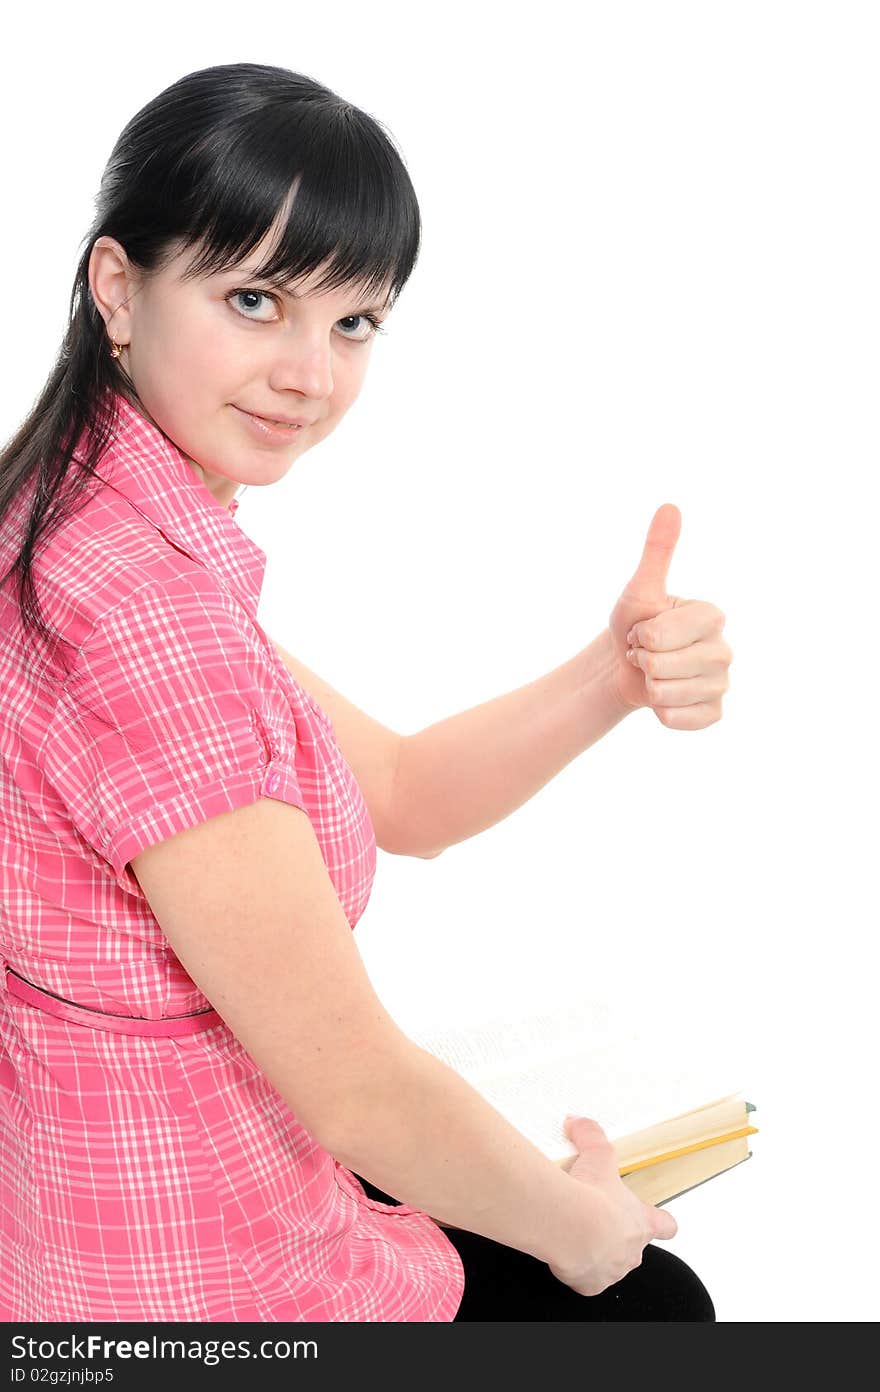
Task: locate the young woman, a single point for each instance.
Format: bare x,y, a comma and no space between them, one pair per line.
193,1063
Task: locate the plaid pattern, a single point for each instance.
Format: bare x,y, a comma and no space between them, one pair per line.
147,1175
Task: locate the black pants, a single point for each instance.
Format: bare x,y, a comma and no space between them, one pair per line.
502,1283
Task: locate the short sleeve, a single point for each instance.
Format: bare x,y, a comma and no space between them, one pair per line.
171,715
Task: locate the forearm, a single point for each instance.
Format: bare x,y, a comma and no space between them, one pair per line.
464,774
432,1141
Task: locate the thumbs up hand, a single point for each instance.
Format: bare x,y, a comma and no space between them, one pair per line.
669,652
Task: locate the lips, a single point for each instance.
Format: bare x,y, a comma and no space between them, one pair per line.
295,423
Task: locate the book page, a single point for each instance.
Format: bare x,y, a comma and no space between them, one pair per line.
536,1068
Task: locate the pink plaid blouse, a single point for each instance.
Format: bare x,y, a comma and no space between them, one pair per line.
148,1169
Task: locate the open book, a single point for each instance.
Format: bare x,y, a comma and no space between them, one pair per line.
673,1119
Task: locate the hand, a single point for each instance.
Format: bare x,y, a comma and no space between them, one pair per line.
620,1224
679,662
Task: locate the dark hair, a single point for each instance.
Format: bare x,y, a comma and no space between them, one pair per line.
208,164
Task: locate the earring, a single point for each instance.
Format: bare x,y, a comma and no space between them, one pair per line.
116,349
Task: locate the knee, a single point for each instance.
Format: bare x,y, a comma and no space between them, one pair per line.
676,1291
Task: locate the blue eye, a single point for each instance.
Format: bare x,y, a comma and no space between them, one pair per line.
374,323
260,294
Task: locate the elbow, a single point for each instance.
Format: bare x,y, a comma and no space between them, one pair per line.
403,846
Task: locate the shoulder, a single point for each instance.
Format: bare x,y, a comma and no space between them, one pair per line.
179,631
106,558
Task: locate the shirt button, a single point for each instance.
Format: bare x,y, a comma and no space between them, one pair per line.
272,783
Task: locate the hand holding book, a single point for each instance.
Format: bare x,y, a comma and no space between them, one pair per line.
624,1224
660,1088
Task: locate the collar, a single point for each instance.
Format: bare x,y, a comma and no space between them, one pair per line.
148,469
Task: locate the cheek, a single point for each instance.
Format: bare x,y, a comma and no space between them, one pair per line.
188,344
348,379
190,374
208,348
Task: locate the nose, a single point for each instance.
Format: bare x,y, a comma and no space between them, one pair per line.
305,365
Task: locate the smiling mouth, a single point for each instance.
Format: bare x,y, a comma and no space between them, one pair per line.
292,426
280,425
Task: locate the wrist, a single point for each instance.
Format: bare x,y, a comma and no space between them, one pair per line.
600,671
586,1210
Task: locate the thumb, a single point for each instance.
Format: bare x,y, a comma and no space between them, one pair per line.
585,1133
649,579
581,1125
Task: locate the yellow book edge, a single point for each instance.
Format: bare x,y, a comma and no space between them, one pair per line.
713,1121
688,1149
660,1184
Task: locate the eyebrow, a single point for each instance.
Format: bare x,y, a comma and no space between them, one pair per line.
251,273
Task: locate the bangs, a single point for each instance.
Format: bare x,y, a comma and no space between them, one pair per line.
329,182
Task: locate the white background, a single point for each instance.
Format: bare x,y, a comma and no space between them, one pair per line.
649,274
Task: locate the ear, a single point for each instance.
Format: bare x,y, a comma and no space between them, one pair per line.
112,282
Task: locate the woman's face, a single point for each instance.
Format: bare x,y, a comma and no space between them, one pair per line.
203,353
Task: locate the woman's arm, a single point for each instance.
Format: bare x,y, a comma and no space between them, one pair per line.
247,904
464,774
460,776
